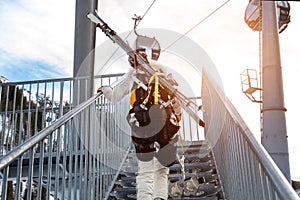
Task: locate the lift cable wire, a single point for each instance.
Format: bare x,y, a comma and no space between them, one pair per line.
137,23
205,18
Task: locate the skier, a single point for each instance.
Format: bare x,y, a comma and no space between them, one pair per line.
155,151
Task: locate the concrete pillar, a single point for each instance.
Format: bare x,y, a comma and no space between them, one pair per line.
84,44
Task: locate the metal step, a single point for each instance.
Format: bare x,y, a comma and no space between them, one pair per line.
202,178
189,167
205,192
199,169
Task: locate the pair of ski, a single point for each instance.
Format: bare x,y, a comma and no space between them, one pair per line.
188,105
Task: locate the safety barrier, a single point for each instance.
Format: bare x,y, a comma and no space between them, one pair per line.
51,149
245,168
59,151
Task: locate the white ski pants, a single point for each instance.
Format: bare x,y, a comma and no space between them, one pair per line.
152,180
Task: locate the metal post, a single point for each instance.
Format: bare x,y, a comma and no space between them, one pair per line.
274,136
84,44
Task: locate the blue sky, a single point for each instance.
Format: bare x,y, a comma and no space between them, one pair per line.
36,39
36,42
19,69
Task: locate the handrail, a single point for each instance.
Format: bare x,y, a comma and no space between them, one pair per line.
234,146
32,141
277,178
61,79
67,151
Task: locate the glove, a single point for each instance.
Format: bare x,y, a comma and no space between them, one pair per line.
102,88
99,89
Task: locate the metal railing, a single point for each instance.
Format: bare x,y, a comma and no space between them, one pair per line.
28,107
245,168
75,154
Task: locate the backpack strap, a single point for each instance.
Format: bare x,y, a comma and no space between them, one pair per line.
155,77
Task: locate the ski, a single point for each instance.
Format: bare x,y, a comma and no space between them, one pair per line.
146,67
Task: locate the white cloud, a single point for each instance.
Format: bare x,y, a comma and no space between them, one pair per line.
39,30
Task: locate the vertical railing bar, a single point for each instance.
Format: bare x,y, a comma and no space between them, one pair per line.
272,190
254,166
86,91
268,187
81,156
4,182
108,154
94,147
29,114
49,168
52,99
111,136
244,165
76,153
71,154
96,153
248,169
221,144
276,196
65,133
119,134
242,145
45,106
57,173
30,172
240,167
97,132
36,111
61,105
238,164
252,176
104,146
230,162
106,150
234,163
41,170
13,132
18,178
20,159
229,154
5,135
70,94
90,147
101,150
265,185
86,156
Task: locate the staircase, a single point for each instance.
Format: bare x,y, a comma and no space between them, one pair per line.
201,180
66,155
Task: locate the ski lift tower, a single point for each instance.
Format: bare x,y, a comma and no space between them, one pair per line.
262,16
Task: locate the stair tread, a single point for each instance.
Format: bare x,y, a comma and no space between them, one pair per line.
205,190
198,164
202,178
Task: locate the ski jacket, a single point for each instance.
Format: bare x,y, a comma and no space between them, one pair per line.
154,130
